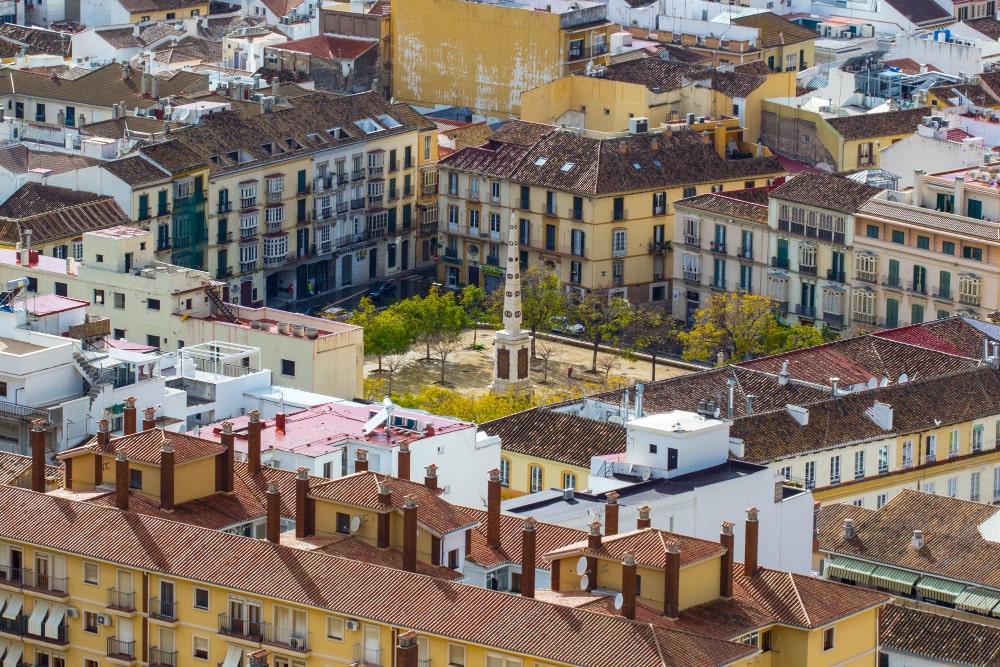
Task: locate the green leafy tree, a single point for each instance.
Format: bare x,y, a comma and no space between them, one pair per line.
432,317
603,318
735,324
478,308
653,330
542,299
386,331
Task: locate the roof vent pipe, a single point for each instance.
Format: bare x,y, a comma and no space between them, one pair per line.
731,383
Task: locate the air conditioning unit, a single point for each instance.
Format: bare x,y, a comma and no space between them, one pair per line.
638,125
296,643
72,612
103,619
353,625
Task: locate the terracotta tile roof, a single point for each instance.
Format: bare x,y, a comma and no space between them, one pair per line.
931,219
732,204
353,588
19,159
833,423
548,536
964,334
145,446
557,436
361,490
521,133
54,213
938,638
973,92
38,41
649,546
987,25
118,129
775,30
920,336
135,171
353,548
188,50
905,65
135,6
921,12
281,7
756,67
876,125
329,47
826,191
15,470
682,54
736,84
954,546
655,73
475,134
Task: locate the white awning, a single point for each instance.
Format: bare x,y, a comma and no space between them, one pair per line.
234,656
4,645
56,613
14,603
14,652
37,618
3,599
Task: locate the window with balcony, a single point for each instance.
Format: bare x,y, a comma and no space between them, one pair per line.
691,267
274,216
810,477
692,232
746,278
619,243
578,237
970,252
659,203
618,272
473,188
495,192
575,272
866,267
969,289
864,305
453,184
907,453
494,225
376,190
550,203
719,274
807,259
930,448
376,163
248,195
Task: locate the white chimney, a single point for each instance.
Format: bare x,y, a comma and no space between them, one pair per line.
848,532
917,541
784,375
881,414
798,413
833,386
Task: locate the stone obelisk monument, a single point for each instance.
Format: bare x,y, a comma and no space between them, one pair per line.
511,344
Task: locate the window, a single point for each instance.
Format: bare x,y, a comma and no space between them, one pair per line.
152,341
810,474
495,192
898,236
765,640
865,153
859,464
453,559
974,480
99,296
343,523
200,598
860,502
536,479
91,573
881,500
119,300
153,304
200,648
969,252
786,472
953,442
134,479
90,622
652,448
569,480
872,231
996,484
948,247
78,250
952,487
929,488
504,472
494,660
335,628
288,367
827,639
690,191
575,272
924,242
672,458
619,243
456,655
977,438
835,470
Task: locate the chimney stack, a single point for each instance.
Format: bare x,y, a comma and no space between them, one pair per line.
279,423
628,586
273,514
225,462
103,432
129,416
917,541
407,650
360,460
403,461
121,480
384,518
528,558
728,541
148,418
303,518
167,477
38,456
410,534
594,538
672,580
611,514
848,531
643,520
493,510
431,477
253,442
750,557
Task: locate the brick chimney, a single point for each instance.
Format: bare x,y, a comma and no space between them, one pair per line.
407,650
726,572
594,538
167,477
628,586
303,515
493,510
643,521
750,556
273,514
253,442
38,456
103,432
129,416
279,423
121,480
528,558
403,461
384,518
148,418
672,580
225,462
360,460
611,514
431,477
410,534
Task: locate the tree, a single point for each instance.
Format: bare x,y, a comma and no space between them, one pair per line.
738,325
547,353
476,303
386,332
393,363
603,318
786,338
608,363
444,344
441,401
653,330
542,299
432,317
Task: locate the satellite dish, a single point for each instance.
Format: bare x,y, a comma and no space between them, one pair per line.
584,582
355,524
381,417
903,378
872,383
646,472
619,601
581,565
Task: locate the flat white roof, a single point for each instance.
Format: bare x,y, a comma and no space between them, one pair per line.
675,420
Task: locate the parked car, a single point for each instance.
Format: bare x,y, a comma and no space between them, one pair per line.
334,313
382,290
561,325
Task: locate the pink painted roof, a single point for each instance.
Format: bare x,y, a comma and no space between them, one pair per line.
917,335
815,364
50,304
45,263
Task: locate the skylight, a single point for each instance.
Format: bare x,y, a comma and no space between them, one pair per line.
389,121
540,161
636,166
567,166
657,163
368,125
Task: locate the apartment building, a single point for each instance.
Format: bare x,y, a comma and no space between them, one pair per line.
812,219
597,212
721,244
434,65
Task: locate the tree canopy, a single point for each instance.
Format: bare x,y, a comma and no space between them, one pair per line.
603,318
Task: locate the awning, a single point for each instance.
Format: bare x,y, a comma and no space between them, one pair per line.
234,656
14,603
3,599
37,617
4,645
894,579
14,652
941,590
56,613
857,571
980,600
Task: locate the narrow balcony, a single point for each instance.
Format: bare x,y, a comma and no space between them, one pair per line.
807,270
45,584
367,657
287,638
120,600
241,628
892,282
779,262
805,311
162,609
161,658
123,651
718,247
835,276
866,277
